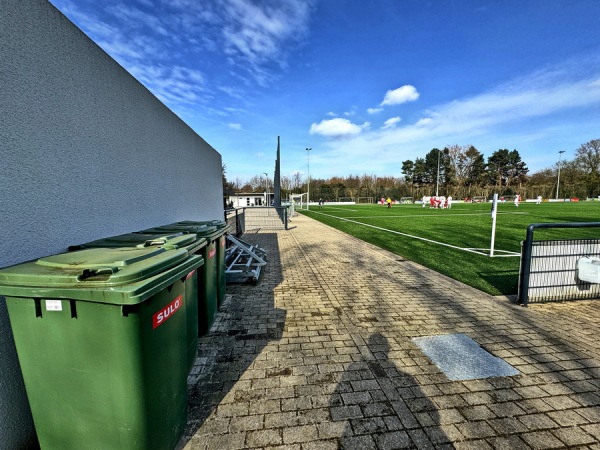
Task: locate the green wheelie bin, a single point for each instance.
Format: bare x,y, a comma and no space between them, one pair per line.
207,279
222,229
187,241
101,339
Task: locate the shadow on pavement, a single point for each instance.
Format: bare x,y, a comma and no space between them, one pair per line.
375,414
246,323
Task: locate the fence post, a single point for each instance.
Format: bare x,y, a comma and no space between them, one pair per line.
526,269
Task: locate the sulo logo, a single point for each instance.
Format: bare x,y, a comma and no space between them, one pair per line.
161,316
190,275
212,253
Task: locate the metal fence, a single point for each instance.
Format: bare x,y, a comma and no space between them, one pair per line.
548,271
251,218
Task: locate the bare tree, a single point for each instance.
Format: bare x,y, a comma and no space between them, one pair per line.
588,156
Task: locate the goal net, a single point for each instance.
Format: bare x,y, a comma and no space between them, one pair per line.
407,200
364,200
346,200
299,201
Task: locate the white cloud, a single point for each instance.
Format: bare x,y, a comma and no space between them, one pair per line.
423,122
172,85
235,126
243,39
374,110
404,94
391,122
260,33
337,128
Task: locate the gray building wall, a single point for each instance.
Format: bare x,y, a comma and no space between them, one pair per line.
86,152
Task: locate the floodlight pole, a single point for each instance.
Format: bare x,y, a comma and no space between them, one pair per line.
308,184
266,188
558,179
437,180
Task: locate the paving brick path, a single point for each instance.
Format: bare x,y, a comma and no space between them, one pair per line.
318,355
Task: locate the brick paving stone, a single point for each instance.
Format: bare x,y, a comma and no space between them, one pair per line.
567,418
591,414
474,430
541,440
358,442
329,430
420,438
263,438
506,443
478,444
231,441
305,433
437,435
593,430
321,445
368,426
506,409
477,412
346,412
377,409
393,440
507,425
537,422
246,423
535,405
279,420
313,416
574,436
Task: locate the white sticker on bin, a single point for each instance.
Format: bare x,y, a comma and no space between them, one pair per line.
53,305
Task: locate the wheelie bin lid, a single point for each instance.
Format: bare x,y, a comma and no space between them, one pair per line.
222,227
126,275
206,231
176,240
215,223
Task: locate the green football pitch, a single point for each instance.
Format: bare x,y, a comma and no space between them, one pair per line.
456,242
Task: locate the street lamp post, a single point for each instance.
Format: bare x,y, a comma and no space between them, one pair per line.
437,181
308,184
266,188
558,179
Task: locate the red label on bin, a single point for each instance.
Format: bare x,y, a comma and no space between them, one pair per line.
190,275
167,312
212,253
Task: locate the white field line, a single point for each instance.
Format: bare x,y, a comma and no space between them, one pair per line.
470,250
429,215
343,208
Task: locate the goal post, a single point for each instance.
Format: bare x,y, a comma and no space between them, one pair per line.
494,213
367,200
407,200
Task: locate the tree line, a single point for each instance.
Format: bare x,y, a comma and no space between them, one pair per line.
461,171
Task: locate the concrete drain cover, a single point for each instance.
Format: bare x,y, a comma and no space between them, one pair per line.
461,358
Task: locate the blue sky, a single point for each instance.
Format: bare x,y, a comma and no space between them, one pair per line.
365,84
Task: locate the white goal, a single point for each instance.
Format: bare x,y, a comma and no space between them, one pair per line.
364,200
